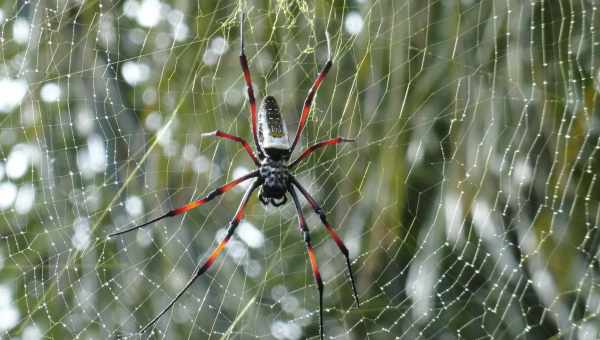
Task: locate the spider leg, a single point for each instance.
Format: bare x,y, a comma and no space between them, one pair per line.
334,235
314,147
311,94
248,80
202,268
221,134
193,204
311,254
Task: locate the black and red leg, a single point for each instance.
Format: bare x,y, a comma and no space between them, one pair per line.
221,134
311,255
193,204
314,147
311,95
203,267
334,235
250,89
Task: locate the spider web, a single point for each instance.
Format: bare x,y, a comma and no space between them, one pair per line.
469,201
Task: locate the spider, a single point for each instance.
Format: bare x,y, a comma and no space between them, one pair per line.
272,178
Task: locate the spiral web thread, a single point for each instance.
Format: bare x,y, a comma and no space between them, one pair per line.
469,201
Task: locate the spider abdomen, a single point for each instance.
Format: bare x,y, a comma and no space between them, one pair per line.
275,181
272,132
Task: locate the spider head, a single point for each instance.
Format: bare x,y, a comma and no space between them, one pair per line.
275,181
272,131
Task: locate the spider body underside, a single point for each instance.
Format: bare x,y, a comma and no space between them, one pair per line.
273,178
273,172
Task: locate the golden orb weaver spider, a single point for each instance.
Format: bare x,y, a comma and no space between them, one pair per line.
273,177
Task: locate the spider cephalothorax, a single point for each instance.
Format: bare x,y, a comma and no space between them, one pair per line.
273,177
275,181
